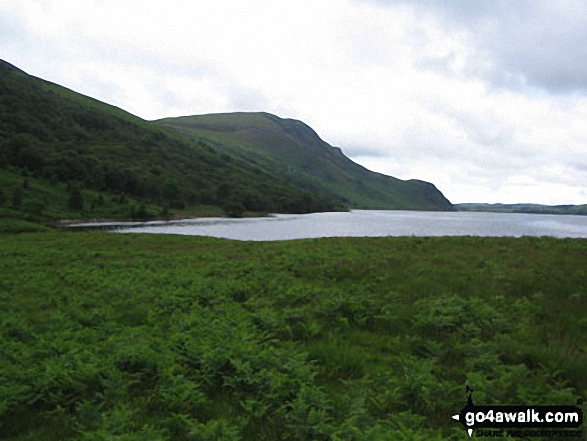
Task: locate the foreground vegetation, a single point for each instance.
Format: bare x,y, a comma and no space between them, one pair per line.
150,337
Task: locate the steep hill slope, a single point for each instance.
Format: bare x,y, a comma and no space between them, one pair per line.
61,138
287,147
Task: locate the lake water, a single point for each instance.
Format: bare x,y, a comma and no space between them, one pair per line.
369,223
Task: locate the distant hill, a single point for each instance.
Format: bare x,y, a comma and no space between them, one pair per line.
59,140
289,148
524,208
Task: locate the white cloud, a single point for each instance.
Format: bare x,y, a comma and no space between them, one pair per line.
466,97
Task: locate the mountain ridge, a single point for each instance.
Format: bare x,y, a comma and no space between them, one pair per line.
4,63
62,139
293,148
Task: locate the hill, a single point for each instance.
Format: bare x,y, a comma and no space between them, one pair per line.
290,148
55,142
6,64
524,208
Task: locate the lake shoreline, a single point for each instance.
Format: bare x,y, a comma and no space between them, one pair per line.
358,223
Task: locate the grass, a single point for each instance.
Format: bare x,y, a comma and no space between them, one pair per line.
133,337
11,226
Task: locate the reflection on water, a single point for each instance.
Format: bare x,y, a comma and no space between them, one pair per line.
368,223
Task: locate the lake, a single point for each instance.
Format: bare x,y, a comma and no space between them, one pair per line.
360,223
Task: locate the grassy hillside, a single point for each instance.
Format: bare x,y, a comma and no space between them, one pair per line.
286,147
149,337
67,141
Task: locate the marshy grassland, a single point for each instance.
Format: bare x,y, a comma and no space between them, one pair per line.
153,337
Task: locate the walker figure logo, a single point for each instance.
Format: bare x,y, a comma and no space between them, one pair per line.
519,421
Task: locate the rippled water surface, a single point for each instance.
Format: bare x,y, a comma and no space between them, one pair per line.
370,223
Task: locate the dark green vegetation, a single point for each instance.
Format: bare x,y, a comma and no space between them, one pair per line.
122,166
7,65
524,208
287,147
148,337
86,159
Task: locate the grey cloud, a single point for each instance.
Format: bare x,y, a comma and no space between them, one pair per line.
14,37
11,25
135,55
353,150
245,99
577,173
546,47
538,43
8,29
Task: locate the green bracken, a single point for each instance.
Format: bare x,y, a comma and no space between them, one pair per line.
150,337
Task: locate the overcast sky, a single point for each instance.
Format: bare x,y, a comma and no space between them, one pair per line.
485,99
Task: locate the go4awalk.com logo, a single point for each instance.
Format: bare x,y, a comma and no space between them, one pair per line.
520,421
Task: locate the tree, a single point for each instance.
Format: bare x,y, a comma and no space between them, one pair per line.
233,207
33,207
17,197
76,200
2,197
140,212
